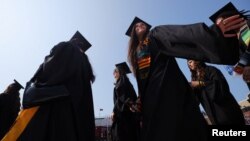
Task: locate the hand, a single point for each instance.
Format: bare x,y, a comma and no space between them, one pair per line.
135,108
194,84
132,110
232,23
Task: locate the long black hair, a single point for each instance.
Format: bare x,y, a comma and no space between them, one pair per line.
133,43
90,74
201,69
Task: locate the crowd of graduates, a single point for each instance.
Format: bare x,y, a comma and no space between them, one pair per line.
58,105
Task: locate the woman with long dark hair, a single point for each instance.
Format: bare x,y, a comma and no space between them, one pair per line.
169,109
125,123
212,91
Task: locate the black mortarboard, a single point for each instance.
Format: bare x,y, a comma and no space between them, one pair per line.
124,67
226,11
136,20
19,86
81,41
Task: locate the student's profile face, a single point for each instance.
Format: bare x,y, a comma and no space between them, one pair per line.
140,28
116,74
192,65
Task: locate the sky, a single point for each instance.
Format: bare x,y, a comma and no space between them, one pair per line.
29,29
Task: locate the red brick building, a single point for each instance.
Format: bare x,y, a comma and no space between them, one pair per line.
102,129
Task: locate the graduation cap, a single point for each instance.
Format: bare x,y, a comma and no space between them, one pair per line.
135,21
227,11
124,67
19,86
80,41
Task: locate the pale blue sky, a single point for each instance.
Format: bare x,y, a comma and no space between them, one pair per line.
29,29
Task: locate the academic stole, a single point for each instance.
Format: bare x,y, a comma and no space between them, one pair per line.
20,124
245,34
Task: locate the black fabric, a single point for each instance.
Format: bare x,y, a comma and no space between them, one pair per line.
136,20
9,108
80,41
18,85
35,95
170,111
123,67
197,41
125,126
217,100
66,119
248,85
245,59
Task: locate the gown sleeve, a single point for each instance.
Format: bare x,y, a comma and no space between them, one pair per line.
216,86
52,76
125,95
196,41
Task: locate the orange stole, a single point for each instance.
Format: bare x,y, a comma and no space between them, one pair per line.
144,62
20,124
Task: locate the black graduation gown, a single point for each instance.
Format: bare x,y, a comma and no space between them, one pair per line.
217,100
170,111
248,85
9,108
125,125
70,118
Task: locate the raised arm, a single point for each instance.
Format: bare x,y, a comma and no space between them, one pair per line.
197,41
